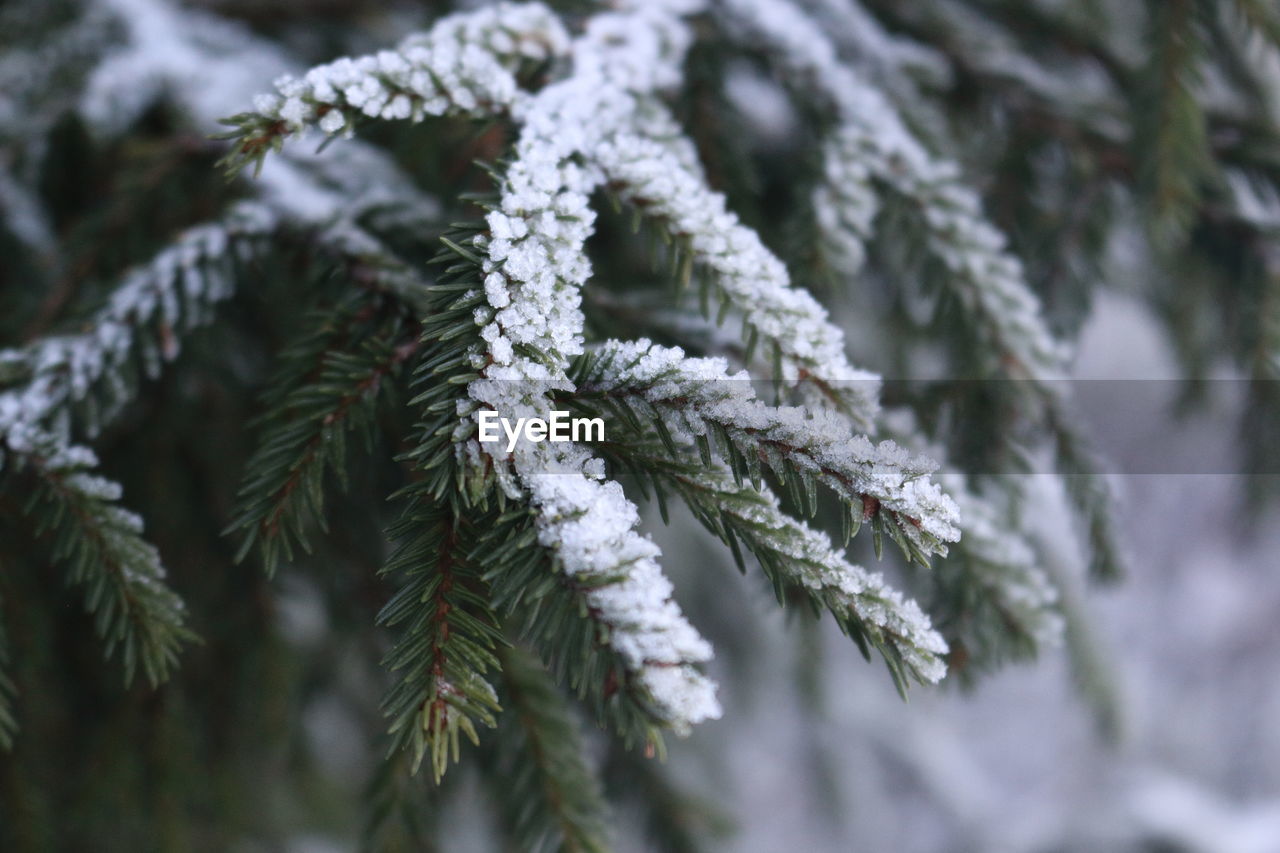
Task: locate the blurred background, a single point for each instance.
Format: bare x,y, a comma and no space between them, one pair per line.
1177,751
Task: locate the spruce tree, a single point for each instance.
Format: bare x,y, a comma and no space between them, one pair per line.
255,314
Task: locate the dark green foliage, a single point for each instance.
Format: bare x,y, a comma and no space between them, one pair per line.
673,818
982,631
402,809
442,372
548,797
1171,130
548,610
135,614
750,454
447,637
746,520
544,606
329,386
8,692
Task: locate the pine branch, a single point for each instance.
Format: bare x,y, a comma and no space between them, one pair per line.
549,799
675,820
990,598
466,64
992,601
1002,315
845,203
1089,492
330,387
1260,17
1171,131
863,39
8,691
793,556
447,636
532,264
656,170
607,634
699,401
579,620
95,373
63,48
985,47
134,612
532,257
986,279
402,814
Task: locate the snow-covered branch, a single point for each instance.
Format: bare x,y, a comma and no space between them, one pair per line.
650,171
465,64
872,138
698,397
796,556
141,322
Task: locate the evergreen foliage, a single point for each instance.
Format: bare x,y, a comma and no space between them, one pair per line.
448,638
105,554
549,798
520,209
8,723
